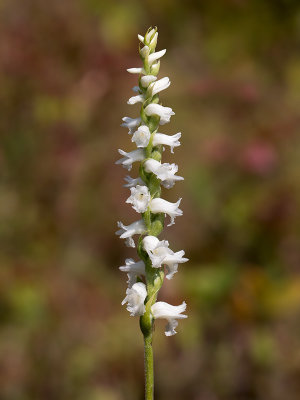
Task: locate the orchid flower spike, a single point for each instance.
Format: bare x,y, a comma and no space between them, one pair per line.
157,261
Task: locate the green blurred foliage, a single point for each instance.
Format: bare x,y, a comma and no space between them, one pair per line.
235,72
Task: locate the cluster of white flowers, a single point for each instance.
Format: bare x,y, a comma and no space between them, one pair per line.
145,192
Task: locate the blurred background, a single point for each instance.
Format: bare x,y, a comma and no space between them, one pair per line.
235,72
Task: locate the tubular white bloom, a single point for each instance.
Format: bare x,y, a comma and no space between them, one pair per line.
155,56
136,99
142,136
165,172
172,260
160,85
147,79
135,299
149,34
167,140
170,313
157,250
126,232
140,198
138,70
164,113
132,181
131,123
131,157
133,269
159,205
160,254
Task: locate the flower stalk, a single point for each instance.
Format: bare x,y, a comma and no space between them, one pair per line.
157,260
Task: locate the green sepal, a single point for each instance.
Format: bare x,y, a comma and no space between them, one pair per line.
153,122
156,155
154,69
157,224
143,174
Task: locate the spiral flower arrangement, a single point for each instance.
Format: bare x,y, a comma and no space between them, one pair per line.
157,260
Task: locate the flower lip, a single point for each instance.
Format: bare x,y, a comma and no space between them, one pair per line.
171,313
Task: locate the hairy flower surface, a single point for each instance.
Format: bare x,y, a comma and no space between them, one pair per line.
157,260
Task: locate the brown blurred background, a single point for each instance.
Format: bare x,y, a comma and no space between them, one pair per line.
235,72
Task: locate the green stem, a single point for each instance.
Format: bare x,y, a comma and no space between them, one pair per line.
149,375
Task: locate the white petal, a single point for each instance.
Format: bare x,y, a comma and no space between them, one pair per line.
140,197
136,99
164,310
131,123
133,269
164,113
139,70
159,205
167,140
147,79
131,157
135,299
155,56
132,181
142,136
126,232
160,85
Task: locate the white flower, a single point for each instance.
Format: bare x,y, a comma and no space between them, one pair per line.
155,56
142,136
147,79
164,113
131,123
135,299
136,99
160,254
168,140
139,70
131,157
156,249
172,260
160,85
165,172
140,197
170,313
133,269
126,232
133,181
159,205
